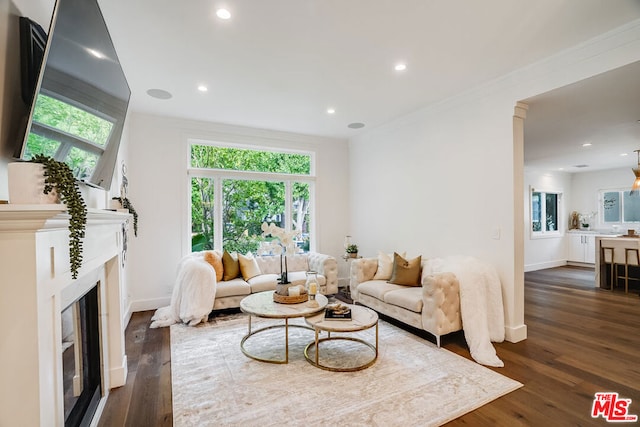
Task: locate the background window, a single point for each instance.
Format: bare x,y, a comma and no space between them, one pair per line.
619,206
243,159
545,209
301,218
202,214
611,206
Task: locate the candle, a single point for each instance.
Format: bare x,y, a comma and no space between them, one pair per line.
313,288
294,291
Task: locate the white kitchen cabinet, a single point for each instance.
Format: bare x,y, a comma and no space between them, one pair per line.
582,248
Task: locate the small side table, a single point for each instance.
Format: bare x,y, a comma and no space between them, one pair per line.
346,290
362,318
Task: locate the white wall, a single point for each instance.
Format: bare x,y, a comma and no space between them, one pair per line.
159,190
440,180
549,251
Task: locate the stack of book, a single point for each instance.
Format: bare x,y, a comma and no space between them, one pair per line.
337,312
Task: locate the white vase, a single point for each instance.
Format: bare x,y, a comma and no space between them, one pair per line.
115,204
26,184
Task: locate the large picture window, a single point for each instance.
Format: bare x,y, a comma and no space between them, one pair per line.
545,212
234,190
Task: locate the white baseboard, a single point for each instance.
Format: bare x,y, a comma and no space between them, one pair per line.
581,264
543,265
149,304
127,317
118,376
515,333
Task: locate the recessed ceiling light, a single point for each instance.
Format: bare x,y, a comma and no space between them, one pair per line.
223,14
202,88
586,144
331,111
400,67
159,94
355,125
624,154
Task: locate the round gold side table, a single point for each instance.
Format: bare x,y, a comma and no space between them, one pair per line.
362,318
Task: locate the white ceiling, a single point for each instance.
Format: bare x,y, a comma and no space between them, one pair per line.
279,64
603,111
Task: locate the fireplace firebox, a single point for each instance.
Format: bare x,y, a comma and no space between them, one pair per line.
82,379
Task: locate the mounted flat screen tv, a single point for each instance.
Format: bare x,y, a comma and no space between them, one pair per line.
75,90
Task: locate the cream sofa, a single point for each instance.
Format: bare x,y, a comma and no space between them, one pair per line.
433,307
229,293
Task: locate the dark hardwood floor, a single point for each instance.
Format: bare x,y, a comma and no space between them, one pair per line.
581,340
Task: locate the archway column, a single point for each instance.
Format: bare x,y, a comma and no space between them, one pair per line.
515,329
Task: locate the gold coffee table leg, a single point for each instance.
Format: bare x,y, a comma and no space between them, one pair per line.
376,340
251,333
286,340
317,342
316,329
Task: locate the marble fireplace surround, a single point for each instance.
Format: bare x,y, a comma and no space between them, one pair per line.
35,286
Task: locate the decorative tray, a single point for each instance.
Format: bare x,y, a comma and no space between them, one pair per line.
286,299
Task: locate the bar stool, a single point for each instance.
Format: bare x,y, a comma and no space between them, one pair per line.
610,260
631,258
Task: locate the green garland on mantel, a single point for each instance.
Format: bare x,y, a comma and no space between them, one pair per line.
126,204
58,175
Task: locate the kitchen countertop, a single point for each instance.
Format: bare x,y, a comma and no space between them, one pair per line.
607,233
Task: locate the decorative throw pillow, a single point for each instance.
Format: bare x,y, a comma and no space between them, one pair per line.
215,260
385,266
405,272
230,265
248,266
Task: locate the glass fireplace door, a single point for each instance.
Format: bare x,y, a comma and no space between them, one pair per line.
81,371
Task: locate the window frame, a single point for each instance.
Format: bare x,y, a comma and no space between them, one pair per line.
601,214
560,226
219,175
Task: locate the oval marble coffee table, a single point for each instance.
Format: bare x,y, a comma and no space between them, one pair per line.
261,304
362,318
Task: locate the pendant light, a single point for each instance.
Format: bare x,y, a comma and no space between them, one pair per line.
635,189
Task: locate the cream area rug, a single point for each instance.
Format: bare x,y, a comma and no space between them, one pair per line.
412,383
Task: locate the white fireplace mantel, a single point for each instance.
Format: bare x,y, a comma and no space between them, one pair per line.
35,286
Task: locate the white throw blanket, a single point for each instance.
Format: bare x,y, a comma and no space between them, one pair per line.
193,294
480,304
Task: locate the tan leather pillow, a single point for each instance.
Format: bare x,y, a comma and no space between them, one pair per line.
248,266
231,266
215,260
406,272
